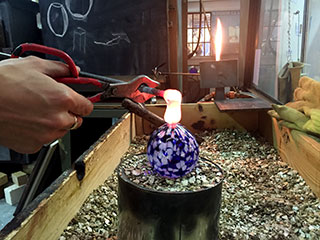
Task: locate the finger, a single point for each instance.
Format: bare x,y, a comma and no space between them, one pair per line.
48,67
80,105
79,122
51,68
74,122
57,69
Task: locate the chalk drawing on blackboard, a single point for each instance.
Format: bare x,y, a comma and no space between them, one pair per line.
79,40
116,40
79,16
57,19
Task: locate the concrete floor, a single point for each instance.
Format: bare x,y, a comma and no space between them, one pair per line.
6,213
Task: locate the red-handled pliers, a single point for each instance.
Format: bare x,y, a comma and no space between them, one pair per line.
129,89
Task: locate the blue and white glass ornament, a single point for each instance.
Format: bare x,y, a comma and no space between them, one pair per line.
172,150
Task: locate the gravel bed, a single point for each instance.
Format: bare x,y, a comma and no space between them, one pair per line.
262,197
139,171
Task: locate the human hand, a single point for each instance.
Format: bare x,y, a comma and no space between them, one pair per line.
34,108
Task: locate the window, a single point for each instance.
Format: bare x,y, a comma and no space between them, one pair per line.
230,21
312,49
194,25
280,42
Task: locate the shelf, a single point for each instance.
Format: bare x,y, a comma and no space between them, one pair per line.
240,104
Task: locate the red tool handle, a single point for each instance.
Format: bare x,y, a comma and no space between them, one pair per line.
82,80
33,47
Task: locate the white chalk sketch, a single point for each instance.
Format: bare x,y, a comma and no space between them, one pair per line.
78,16
57,19
116,40
79,40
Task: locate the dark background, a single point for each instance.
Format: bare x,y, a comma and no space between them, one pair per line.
132,35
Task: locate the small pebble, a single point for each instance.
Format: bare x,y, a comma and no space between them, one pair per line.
262,197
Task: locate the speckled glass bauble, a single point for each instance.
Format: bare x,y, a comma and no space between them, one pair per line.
172,151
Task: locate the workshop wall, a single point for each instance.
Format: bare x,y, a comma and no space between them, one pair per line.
120,37
18,24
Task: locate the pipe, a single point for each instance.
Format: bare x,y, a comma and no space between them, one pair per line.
180,45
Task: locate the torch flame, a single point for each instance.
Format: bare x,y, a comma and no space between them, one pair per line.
173,112
218,40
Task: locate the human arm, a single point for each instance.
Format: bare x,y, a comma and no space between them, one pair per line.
34,108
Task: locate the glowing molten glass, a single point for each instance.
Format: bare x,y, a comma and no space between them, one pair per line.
172,150
173,112
218,40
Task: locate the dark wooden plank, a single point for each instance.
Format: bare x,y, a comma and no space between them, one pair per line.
240,104
108,37
200,117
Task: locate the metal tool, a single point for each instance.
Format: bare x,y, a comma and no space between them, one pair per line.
39,170
139,89
156,72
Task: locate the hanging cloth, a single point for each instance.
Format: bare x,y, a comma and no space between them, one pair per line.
288,79
284,82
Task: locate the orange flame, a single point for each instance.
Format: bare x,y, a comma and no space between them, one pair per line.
173,112
218,40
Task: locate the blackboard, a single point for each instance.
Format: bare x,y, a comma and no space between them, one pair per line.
108,37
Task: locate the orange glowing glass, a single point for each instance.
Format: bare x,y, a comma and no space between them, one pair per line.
173,112
218,40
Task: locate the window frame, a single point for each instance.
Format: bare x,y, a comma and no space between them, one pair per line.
205,40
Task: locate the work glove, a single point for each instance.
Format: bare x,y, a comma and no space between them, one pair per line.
302,106
306,96
304,113
313,124
288,116
308,91
294,119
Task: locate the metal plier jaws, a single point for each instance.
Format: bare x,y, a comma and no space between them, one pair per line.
131,89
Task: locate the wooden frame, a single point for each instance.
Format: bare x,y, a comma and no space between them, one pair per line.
198,117
301,151
49,214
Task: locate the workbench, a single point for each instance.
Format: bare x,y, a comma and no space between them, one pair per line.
49,214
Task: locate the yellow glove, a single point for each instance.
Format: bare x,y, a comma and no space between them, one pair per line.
291,115
313,125
308,90
302,106
274,114
290,125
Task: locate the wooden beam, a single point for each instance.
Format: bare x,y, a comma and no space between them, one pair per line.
244,23
206,116
301,151
251,40
51,212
